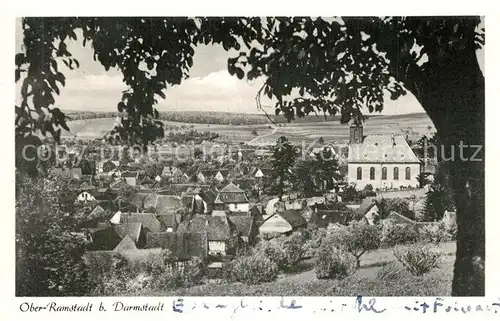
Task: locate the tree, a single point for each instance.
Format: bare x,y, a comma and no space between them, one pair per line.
423,179
48,253
303,180
365,57
284,155
357,239
439,197
326,169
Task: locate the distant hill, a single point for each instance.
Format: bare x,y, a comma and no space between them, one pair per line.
225,118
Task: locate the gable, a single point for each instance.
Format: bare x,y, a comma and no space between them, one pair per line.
382,149
275,223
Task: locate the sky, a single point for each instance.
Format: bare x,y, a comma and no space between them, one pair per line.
209,87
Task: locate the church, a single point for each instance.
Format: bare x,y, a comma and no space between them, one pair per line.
381,160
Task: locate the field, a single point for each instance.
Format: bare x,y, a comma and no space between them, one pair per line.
364,282
267,135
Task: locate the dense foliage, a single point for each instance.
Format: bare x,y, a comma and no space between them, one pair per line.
48,252
283,158
418,259
254,269
357,239
333,263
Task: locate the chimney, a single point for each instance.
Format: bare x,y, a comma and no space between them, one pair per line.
355,134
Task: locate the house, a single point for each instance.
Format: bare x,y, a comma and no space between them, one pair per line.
91,222
258,173
204,201
220,176
397,218
246,184
205,176
220,232
368,210
109,238
72,172
118,184
126,244
168,222
162,203
148,221
271,206
172,174
383,161
234,198
295,204
307,213
323,218
85,197
130,177
183,246
320,149
246,227
282,222
167,191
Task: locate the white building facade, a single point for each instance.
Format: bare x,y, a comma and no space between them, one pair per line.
383,161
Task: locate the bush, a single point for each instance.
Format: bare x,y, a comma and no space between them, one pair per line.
418,259
390,272
398,234
333,263
369,188
312,245
434,233
253,269
273,251
293,248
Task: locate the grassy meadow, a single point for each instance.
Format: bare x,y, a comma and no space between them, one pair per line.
370,280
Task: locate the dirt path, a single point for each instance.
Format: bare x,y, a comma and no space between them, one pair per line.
262,136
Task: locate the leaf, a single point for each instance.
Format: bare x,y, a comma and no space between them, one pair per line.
239,73
18,74
161,94
76,63
61,78
20,59
63,48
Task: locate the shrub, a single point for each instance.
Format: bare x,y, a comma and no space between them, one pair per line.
398,234
193,272
357,239
254,269
293,248
312,245
434,233
389,272
333,263
418,259
368,188
273,251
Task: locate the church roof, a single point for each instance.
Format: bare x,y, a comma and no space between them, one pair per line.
380,148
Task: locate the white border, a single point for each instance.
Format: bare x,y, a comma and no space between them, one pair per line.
10,304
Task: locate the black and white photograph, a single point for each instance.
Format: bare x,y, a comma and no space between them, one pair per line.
272,156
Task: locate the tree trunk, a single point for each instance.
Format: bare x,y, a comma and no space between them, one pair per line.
453,96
